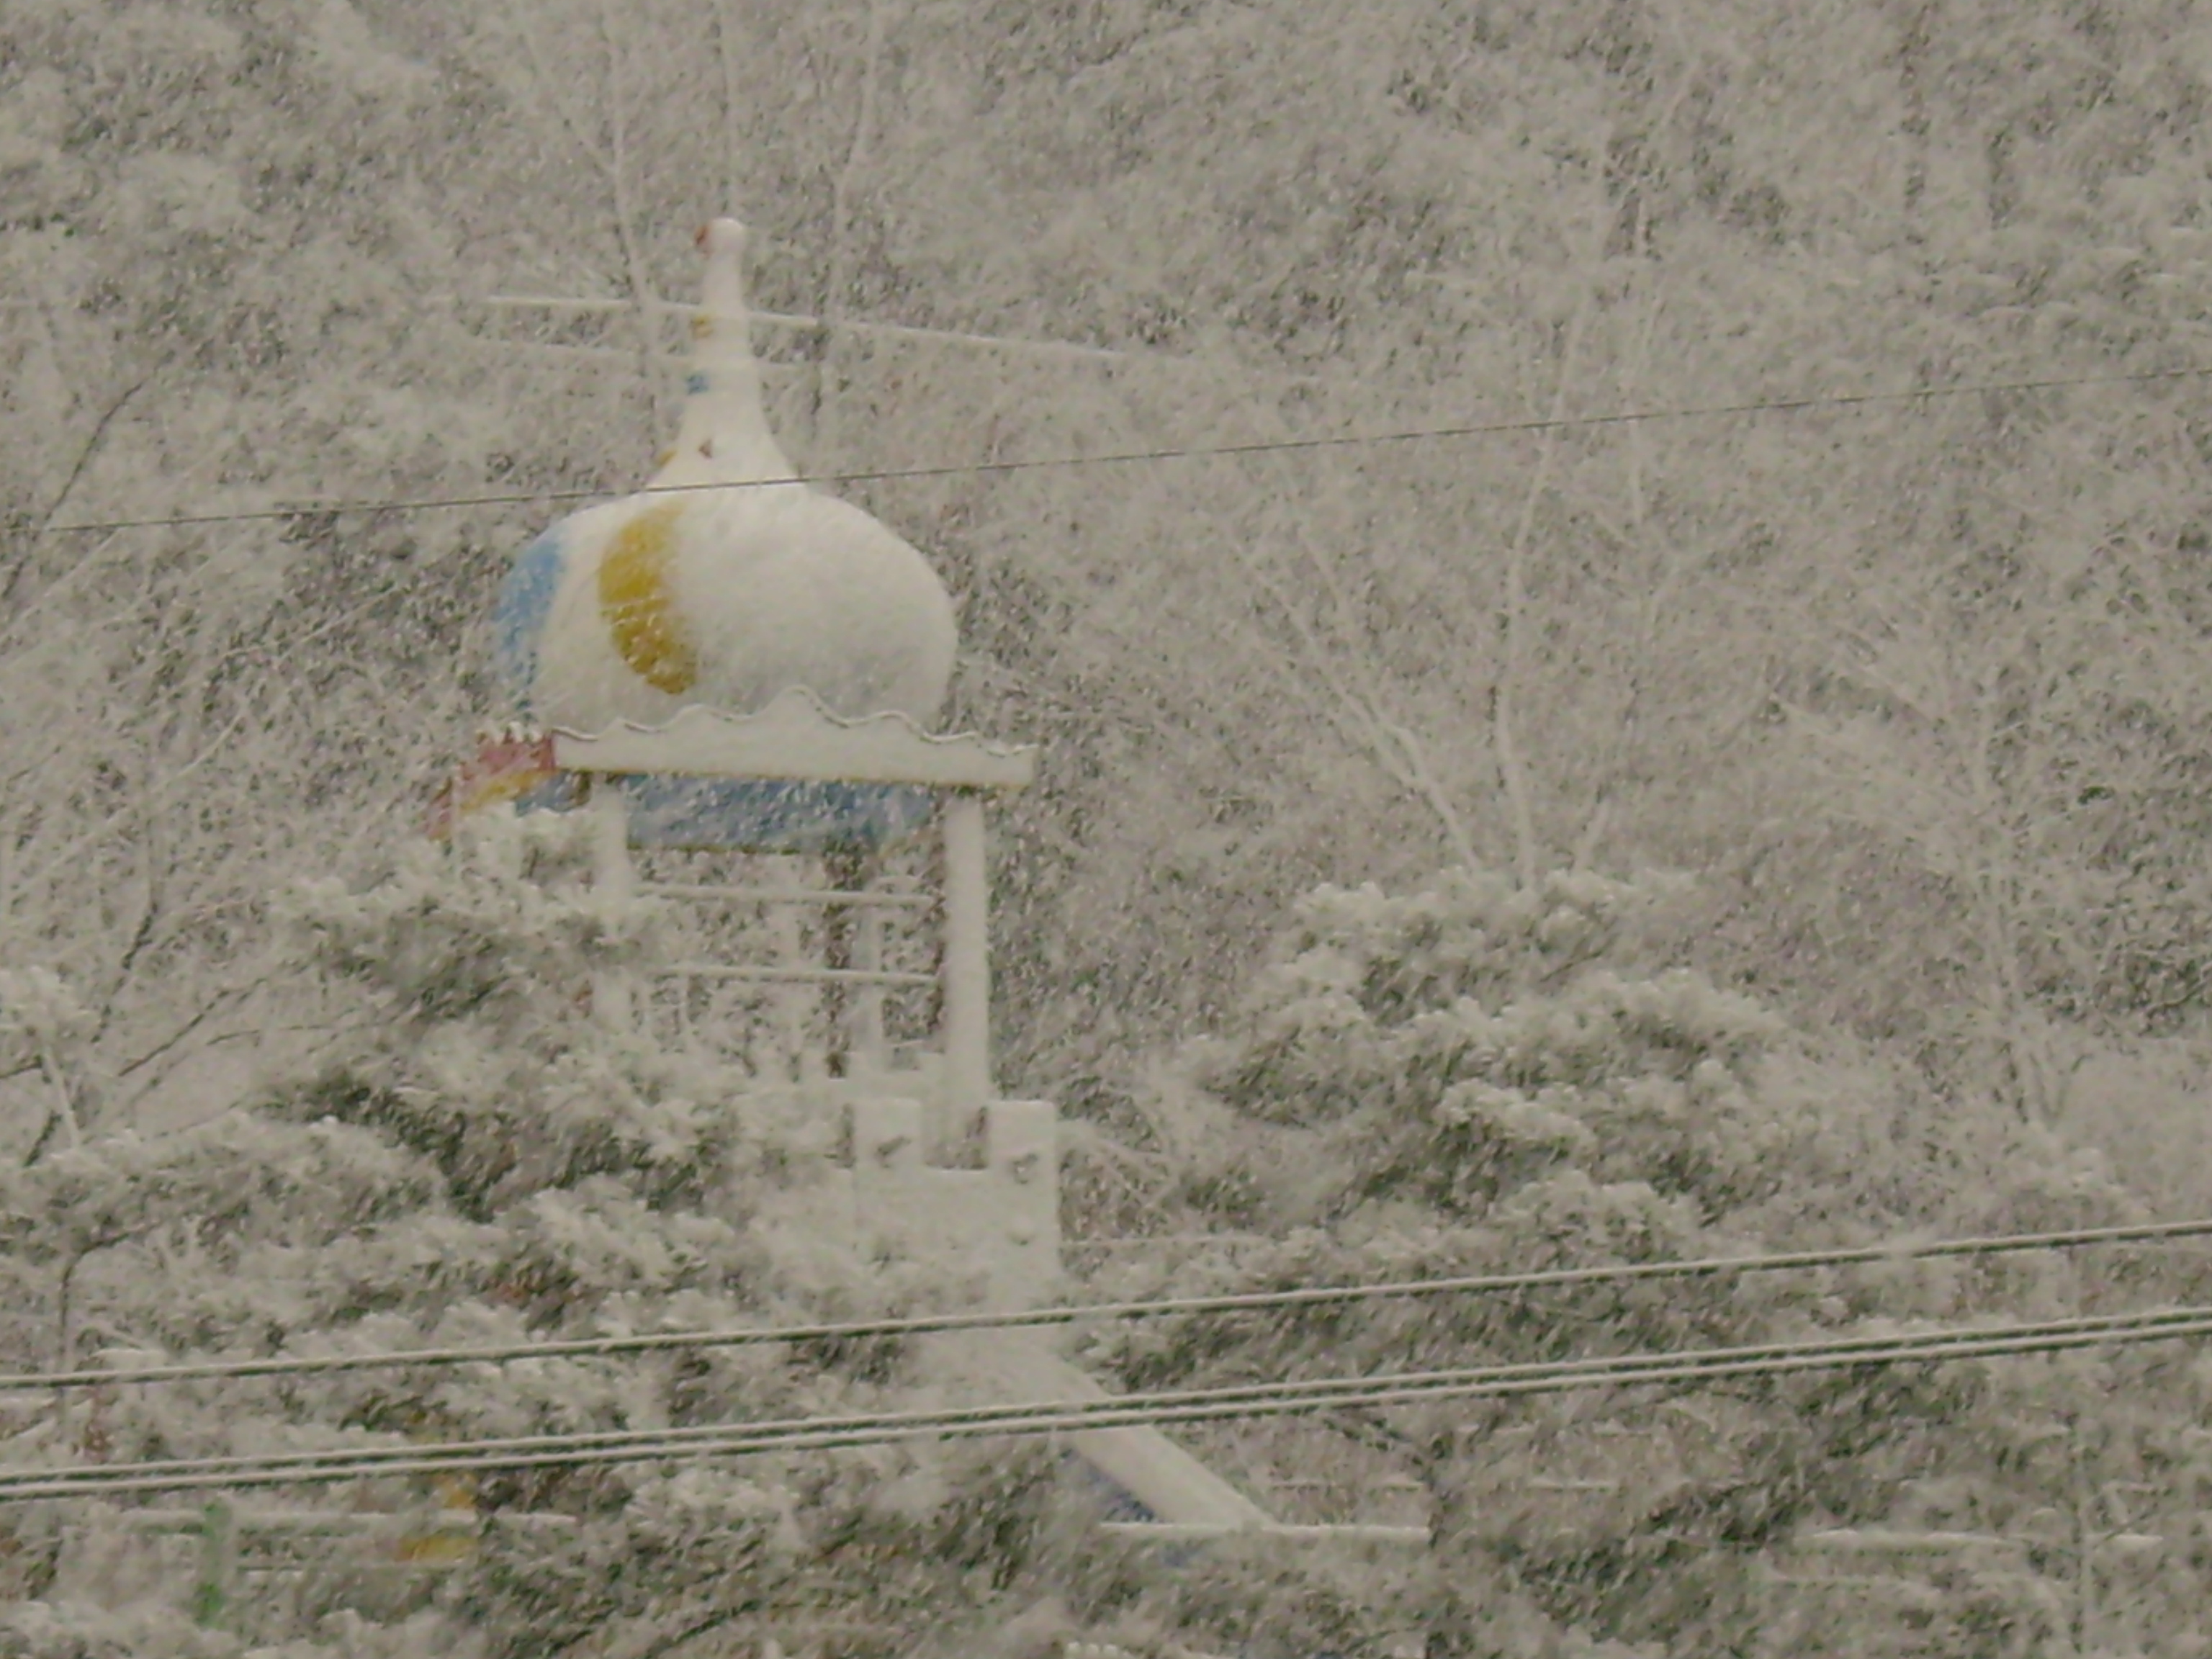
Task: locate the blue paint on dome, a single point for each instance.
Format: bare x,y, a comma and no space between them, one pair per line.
518,620
695,382
755,815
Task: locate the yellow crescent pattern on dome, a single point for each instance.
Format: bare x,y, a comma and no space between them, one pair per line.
639,610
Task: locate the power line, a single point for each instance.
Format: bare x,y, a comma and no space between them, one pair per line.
1264,1400
843,324
1229,1302
1115,1408
1124,458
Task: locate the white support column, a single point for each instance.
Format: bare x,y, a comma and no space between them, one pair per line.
864,1028
613,995
1021,1140
795,1004
967,959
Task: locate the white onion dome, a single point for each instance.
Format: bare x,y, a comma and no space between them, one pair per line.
725,581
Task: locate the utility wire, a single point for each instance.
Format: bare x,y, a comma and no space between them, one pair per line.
1133,1410
1258,447
1077,1313
790,319
1117,1406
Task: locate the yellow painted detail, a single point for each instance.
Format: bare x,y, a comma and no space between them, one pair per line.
702,327
476,794
434,1549
639,609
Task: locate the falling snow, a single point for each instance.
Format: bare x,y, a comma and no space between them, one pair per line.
1440,892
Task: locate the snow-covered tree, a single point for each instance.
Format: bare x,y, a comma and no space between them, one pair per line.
1484,1077
484,1161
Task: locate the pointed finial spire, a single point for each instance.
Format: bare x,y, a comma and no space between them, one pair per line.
725,436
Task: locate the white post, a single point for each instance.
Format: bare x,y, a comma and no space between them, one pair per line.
613,999
865,1033
967,961
796,1003
853,940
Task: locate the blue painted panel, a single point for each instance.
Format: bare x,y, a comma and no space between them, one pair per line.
770,816
752,816
1117,1503
1115,1500
561,793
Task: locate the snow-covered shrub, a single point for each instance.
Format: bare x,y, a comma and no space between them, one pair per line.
482,1160
1484,1078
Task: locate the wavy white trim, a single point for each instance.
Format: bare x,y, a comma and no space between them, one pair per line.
797,739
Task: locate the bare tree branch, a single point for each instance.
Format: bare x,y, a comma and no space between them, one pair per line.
617,165
838,275
1513,774
84,455
1400,755
228,995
